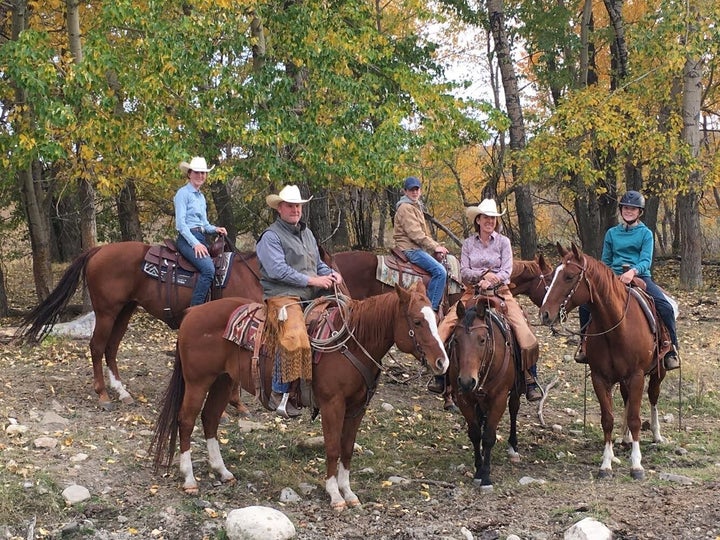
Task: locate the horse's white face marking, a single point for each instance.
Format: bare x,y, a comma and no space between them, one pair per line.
429,315
552,282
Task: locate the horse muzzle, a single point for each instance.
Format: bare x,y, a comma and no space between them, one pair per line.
467,385
546,319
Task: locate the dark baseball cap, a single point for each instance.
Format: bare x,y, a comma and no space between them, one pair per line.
411,182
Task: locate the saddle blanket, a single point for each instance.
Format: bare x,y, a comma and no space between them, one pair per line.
243,324
392,277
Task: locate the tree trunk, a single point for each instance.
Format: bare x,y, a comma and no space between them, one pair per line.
223,208
31,192
523,196
33,198
688,203
128,213
4,306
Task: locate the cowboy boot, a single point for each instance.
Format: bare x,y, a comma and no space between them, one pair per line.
529,359
672,359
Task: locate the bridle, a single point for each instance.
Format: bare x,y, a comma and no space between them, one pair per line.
488,354
563,314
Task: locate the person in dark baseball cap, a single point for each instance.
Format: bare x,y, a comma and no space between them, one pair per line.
412,237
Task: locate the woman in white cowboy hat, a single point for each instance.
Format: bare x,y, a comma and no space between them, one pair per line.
486,261
192,224
291,272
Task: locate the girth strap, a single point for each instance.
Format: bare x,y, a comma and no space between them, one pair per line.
370,379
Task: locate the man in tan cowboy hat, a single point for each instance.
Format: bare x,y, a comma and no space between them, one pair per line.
486,261
192,224
291,272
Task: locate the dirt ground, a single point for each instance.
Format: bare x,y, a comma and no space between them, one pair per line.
405,433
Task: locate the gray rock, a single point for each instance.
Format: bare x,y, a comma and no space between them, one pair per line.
289,495
588,529
53,418
75,494
258,523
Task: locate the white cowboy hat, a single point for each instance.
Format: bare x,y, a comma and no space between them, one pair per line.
487,208
197,164
288,194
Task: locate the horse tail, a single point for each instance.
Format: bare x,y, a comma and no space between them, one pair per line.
39,322
166,425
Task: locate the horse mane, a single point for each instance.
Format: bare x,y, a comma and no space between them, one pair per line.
521,267
371,317
605,283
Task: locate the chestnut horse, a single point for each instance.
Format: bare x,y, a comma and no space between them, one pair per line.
207,366
117,285
484,371
621,347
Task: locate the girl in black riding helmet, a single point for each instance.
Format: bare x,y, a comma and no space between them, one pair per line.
630,244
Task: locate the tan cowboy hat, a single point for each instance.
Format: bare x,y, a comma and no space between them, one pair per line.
288,194
487,207
197,164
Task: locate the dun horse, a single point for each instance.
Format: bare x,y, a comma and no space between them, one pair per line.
117,285
621,348
207,366
484,372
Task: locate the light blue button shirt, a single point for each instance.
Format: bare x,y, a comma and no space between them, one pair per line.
191,212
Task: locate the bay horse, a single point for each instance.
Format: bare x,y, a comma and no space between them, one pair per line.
207,366
117,285
483,368
621,346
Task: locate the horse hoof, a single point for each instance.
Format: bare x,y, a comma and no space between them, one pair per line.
128,400
451,407
514,458
484,488
604,473
338,506
637,474
107,406
355,503
191,490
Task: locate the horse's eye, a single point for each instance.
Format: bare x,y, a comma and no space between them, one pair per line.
418,322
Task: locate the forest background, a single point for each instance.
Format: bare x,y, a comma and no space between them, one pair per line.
100,101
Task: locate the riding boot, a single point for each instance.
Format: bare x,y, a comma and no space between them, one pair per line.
581,353
436,385
529,358
672,359
282,405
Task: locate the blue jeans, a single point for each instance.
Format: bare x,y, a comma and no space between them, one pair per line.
205,267
277,384
664,309
438,274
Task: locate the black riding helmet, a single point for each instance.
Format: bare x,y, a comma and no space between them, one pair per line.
634,199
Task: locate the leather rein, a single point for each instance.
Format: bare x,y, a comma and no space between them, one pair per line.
563,314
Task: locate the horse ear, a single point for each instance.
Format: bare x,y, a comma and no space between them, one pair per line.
402,293
419,286
460,310
561,250
577,252
541,261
